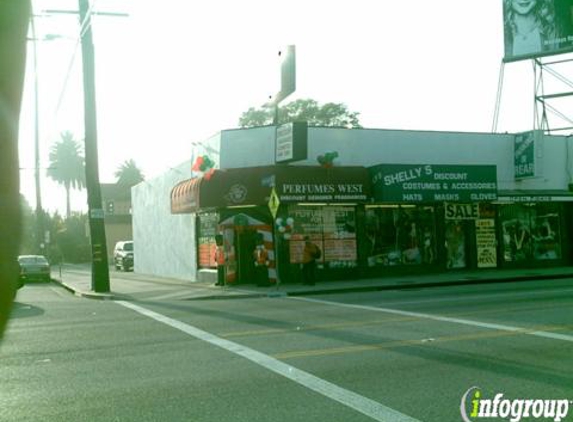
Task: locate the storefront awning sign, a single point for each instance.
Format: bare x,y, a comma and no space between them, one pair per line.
412,183
271,186
317,184
185,196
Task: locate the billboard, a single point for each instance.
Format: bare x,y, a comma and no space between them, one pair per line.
535,28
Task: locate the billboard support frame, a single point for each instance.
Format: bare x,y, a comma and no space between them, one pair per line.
543,101
498,97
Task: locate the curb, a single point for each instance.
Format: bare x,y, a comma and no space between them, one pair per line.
89,295
226,297
115,296
449,283
397,285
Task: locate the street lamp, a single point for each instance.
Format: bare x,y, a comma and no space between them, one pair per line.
39,211
40,226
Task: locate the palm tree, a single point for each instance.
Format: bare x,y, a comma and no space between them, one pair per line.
128,174
67,165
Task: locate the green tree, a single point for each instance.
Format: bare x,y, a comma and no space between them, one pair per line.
128,174
71,242
67,166
329,114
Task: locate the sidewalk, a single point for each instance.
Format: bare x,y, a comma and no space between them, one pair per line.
128,286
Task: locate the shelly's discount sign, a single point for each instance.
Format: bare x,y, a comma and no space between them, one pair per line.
399,183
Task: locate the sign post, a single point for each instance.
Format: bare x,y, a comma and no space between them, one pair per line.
274,203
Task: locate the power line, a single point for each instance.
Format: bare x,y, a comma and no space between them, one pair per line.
83,28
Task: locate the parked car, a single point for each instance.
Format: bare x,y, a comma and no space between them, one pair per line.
33,268
123,255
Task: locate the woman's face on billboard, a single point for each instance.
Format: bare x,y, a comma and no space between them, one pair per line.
523,7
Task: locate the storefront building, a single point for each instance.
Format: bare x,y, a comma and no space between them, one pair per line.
431,216
535,229
424,202
280,205
451,217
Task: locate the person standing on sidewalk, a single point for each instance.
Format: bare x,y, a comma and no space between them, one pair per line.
310,254
220,259
261,257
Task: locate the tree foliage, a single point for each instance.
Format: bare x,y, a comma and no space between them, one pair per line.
329,114
67,165
28,241
68,240
128,174
71,242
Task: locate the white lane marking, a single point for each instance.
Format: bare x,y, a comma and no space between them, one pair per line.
366,406
466,297
480,324
172,295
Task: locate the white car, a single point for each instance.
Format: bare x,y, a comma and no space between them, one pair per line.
123,255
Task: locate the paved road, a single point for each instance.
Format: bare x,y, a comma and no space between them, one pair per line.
388,356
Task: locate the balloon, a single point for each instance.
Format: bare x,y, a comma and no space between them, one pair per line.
327,159
290,221
209,174
279,221
282,229
198,163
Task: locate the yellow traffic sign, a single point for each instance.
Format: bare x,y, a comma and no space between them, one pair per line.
274,203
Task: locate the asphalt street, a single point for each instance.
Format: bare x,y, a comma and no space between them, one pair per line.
395,355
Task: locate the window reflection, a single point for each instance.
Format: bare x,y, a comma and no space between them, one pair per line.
401,235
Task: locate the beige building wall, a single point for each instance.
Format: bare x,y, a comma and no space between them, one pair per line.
116,232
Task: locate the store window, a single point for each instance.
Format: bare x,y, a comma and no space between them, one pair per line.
332,228
455,240
401,235
530,231
206,231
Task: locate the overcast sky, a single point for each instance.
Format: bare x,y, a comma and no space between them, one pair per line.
178,71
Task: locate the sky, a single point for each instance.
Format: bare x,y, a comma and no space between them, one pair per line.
178,71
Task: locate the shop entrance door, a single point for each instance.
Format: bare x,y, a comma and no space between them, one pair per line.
457,236
245,243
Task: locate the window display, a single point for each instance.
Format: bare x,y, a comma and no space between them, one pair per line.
455,244
486,243
206,231
332,229
530,231
401,235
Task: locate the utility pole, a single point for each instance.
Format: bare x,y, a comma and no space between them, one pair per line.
100,267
